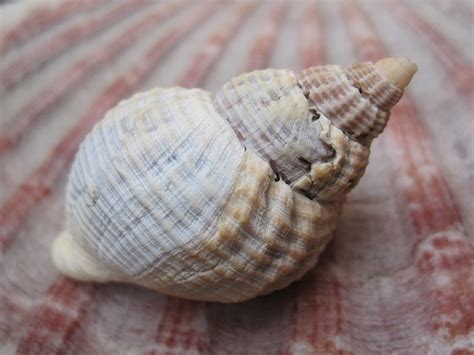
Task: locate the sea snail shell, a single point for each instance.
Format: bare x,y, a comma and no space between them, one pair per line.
224,196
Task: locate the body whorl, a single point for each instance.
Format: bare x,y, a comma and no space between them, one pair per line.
215,208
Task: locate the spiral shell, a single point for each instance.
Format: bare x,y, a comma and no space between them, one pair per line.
228,196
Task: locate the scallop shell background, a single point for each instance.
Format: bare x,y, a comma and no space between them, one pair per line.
398,275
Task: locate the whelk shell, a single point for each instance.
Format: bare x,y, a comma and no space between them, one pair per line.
225,196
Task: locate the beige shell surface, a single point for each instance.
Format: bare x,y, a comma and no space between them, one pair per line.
218,197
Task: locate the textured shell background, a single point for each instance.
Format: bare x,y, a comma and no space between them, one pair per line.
396,278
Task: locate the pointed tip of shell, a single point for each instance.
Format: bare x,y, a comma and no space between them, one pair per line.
399,71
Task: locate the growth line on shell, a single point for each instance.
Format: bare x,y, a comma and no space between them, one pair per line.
78,296
41,19
458,67
430,192
265,41
78,71
40,53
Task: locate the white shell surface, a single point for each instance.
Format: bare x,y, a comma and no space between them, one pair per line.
150,177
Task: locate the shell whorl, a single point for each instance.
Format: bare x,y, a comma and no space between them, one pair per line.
356,99
270,115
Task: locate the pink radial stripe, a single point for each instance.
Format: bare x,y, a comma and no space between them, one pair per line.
316,315
205,58
41,53
265,41
75,74
367,45
312,48
14,313
51,327
262,47
460,70
430,205
39,20
459,10
58,319
179,329
17,208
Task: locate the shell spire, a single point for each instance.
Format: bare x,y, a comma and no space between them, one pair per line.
358,99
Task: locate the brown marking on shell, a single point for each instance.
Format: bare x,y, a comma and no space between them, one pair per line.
356,99
374,85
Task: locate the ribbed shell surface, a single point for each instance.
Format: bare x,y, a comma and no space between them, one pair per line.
356,99
151,177
163,194
266,237
271,116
